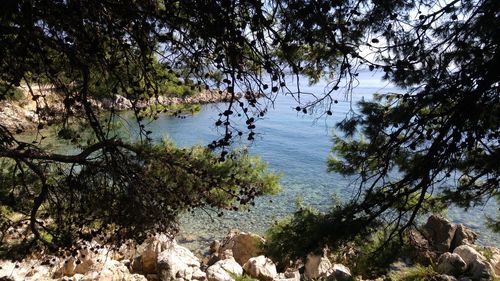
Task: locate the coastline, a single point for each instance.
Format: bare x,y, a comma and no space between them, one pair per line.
41,105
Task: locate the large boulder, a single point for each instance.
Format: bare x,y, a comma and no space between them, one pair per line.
463,236
339,272
83,261
477,266
439,232
118,102
224,270
126,251
242,245
424,254
495,262
26,271
261,268
451,264
112,270
317,266
148,251
177,262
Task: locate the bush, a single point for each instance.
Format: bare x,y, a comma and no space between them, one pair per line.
309,231
154,185
10,93
416,273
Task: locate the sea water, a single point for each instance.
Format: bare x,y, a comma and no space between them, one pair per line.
293,144
297,146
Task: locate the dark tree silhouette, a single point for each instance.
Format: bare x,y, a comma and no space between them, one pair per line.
442,53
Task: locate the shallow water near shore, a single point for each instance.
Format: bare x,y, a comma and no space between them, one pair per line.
297,146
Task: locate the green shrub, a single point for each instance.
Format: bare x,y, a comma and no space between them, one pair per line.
10,93
416,273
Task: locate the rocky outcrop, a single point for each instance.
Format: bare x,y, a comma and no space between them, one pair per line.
320,267
118,103
242,245
160,258
451,264
41,105
439,232
111,270
224,270
317,266
495,261
178,262
261,268
289,275
148,251
439,236
339,272
478,267
463,236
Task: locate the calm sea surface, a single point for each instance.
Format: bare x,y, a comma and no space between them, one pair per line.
297,146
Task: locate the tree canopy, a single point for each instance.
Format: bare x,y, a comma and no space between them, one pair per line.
440,136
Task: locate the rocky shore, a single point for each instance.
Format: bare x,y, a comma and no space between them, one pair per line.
28,113
447,247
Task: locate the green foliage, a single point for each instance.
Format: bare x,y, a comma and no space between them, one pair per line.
10,93
374,254
309,231
243,277
487,252
416,273
173,109
154,185
403,148
294,237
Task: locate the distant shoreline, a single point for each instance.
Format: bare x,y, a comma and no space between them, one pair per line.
41,105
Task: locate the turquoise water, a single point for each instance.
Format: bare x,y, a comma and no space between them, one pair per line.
297,146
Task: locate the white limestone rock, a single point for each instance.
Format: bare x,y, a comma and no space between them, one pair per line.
261,268
223,269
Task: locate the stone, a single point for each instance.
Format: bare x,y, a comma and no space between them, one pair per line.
214,246
85,261
289,275
292,273
26,271
148,252
477,266
126,251
67,268
316,266
423,254
112,270
495,262
463,236
223,269
243,246
198,274
213,259
451,264
439,232
339,272
176,262
261,268
443,277
119,103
